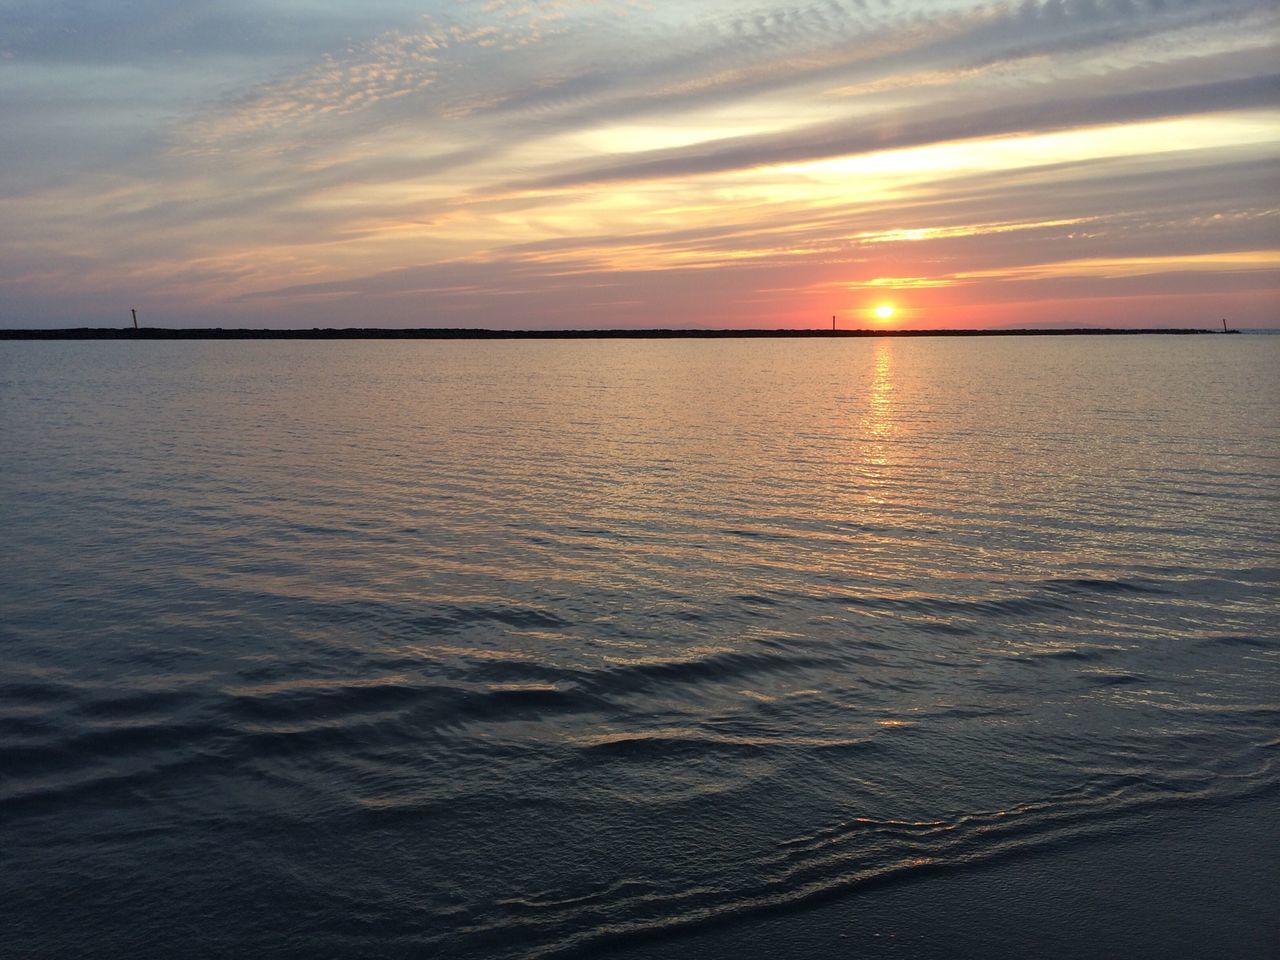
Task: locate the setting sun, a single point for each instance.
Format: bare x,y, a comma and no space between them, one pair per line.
884,312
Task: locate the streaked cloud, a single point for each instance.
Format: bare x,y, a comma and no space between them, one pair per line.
592,162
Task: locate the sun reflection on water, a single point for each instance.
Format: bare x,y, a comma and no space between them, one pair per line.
878,421
876,426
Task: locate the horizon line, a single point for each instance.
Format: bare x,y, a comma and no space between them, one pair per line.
637,333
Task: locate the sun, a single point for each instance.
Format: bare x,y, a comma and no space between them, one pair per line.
884,312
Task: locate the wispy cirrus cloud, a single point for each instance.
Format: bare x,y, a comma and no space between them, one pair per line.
777,157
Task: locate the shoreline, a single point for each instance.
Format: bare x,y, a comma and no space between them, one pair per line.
447,333
1182,882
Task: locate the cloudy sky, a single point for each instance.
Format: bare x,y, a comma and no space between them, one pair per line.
584,163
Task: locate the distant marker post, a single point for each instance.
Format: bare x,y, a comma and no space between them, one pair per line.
135,318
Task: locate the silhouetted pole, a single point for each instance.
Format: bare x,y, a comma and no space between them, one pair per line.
833,323
1224,324
135,318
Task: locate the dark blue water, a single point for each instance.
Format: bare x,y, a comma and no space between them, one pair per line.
530,648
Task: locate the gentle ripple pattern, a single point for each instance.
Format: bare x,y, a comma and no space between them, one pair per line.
521,649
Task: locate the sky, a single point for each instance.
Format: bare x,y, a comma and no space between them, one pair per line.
639,163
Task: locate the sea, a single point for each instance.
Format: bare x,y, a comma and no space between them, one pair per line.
660,648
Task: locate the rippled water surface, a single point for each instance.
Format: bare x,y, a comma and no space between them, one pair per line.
513,649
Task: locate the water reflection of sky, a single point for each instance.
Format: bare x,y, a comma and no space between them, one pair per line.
508,645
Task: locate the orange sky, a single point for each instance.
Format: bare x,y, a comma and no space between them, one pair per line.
616,163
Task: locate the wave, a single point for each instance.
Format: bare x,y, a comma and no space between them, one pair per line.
80,735
854,855
694,744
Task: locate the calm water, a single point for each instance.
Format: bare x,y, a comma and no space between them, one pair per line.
513,649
